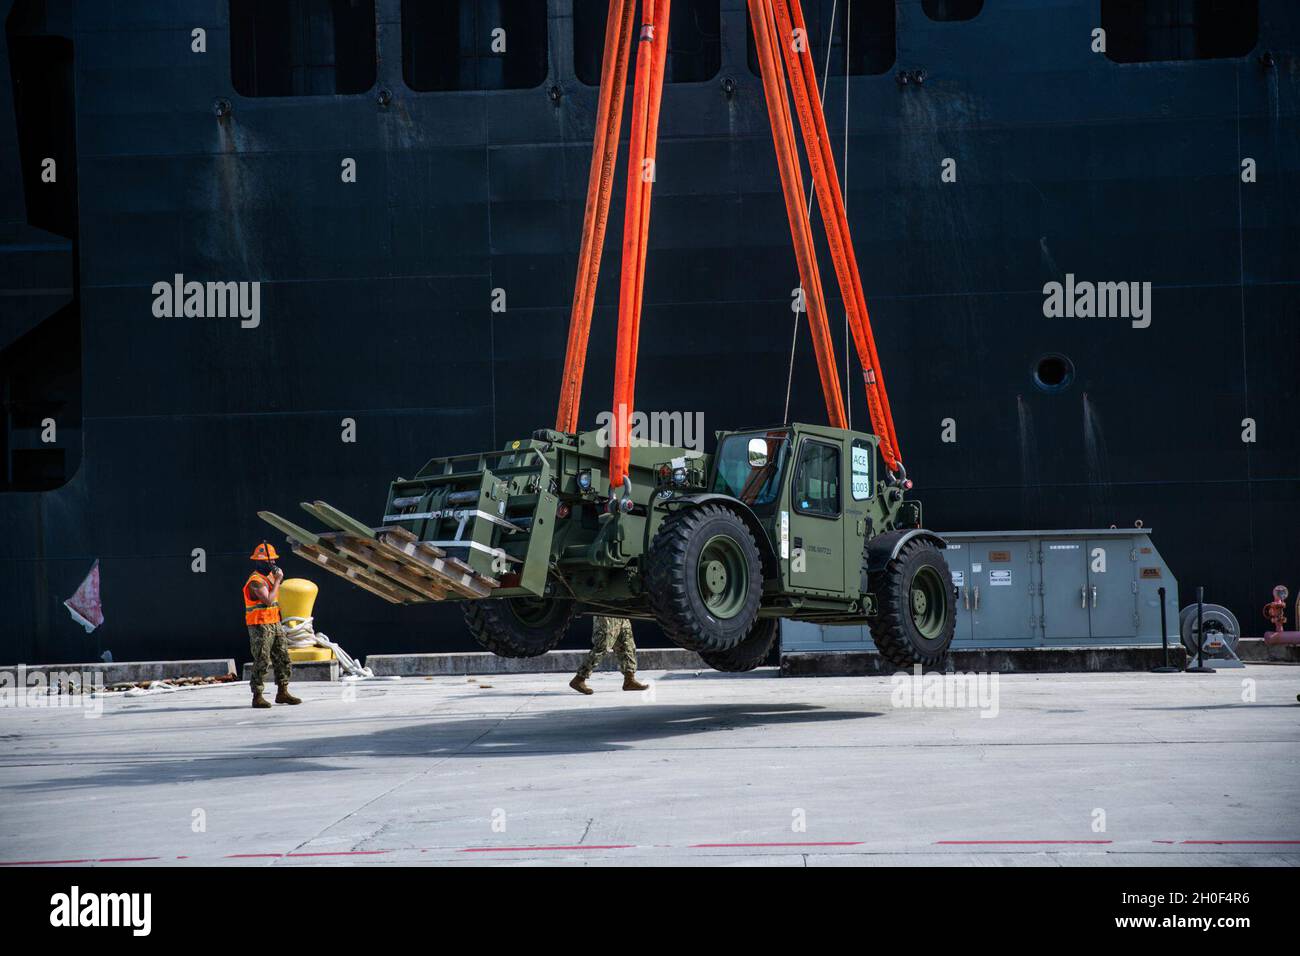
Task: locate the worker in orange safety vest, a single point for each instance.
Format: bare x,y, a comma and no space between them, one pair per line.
266,638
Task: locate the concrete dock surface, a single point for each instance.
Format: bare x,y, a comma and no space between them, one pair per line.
703,769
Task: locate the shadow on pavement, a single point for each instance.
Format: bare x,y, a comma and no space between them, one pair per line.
586,730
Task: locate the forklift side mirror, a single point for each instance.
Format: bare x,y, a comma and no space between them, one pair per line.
757,452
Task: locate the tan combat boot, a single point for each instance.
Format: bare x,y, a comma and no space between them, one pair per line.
580,685
284,697
259,701
631,683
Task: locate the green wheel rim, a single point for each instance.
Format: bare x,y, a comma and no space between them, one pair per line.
723,576
531,611
927,602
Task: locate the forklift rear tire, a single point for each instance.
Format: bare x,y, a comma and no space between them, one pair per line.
519,627
704,578
916,606
749,653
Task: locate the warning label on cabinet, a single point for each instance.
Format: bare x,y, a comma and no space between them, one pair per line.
1000,577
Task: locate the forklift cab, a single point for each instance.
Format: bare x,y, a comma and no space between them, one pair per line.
750,466
815,489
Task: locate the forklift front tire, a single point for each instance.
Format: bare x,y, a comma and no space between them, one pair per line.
704,578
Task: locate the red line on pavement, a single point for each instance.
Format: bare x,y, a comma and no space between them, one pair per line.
1242,842
41,862
529,849
715,846
629,846
281,856
1019,842
127,859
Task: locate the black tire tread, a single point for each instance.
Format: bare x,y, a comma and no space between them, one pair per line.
666,587
749,653
891,603
491,623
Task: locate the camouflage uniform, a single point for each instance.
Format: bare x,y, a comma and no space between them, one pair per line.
269,648
610,634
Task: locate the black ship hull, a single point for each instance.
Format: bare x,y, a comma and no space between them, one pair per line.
376,296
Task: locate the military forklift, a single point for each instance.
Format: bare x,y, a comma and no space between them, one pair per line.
787,522
798,521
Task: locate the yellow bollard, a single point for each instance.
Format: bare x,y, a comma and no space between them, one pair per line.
297,600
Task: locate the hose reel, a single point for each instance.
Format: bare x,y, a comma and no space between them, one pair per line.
1222,632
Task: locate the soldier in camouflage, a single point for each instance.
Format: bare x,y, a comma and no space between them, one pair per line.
609,634
268,648
266,641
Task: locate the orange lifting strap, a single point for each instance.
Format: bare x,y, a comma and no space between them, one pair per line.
646,96
812,121
796,209
772,20
604,154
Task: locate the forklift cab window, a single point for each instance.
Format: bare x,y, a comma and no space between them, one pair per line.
755,481
817,480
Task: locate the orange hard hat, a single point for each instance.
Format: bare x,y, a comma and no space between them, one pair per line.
260,553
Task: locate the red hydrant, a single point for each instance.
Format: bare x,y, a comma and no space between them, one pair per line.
1275,610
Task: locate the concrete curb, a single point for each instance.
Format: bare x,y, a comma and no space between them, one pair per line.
132,671
552,662
1020,660
1253,649
302,671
